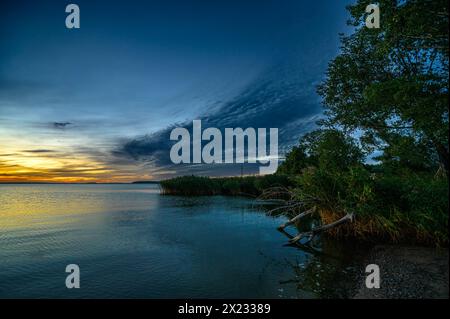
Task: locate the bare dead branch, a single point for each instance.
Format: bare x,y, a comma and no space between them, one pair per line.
310,234
296,218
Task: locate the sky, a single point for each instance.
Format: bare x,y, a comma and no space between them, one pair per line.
97,104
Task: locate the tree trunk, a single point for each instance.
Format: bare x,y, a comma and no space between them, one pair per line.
443,155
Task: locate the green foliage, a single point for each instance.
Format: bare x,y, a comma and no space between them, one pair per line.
394,80
406,153
398,199
391,86
349,190
244,186
296,160
332,149
405,208
191,185
328,149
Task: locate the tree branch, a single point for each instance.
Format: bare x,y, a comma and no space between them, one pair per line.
310,234
296,218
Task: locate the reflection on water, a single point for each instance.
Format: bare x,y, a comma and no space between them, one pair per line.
131,242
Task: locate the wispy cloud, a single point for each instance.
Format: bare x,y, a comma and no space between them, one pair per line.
38,151
61,125
277,99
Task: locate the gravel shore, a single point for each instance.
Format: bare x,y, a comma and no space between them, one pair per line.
407,272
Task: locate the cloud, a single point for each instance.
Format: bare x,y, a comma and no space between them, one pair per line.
61,125
39,151
275,100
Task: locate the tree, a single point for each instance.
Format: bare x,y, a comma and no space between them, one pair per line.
325,148
332,149
405,152
295,161
393,80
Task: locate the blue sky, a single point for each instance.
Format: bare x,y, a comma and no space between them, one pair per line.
97,103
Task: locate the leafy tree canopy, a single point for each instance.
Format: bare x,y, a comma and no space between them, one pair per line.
327,148
393,81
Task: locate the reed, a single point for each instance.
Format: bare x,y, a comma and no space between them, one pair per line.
235,186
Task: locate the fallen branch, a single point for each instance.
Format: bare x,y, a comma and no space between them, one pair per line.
310,234
298,217
306,248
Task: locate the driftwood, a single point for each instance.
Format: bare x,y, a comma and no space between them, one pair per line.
310,234
306,248
296,218
289,203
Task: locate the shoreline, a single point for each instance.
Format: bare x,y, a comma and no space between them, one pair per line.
406,272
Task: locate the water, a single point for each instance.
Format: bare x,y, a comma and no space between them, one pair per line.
129,242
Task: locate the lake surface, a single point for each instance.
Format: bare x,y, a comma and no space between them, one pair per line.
129,241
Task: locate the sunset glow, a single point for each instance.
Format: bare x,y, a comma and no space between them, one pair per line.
22,164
